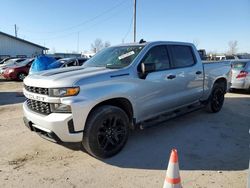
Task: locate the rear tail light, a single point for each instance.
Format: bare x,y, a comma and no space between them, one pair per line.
242,74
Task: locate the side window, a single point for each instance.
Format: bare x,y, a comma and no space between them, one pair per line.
81,61
72,63
182,56
158,57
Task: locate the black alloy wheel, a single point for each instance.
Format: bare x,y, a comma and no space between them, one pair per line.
216,99
106,131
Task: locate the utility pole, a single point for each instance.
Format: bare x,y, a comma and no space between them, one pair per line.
135,20
15,30
78,42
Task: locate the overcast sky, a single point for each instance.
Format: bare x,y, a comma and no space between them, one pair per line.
57,23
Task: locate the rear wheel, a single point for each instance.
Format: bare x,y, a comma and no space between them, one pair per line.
106,131
21,76
216,99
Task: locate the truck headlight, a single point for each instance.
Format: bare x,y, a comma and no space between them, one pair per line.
60,108
64,92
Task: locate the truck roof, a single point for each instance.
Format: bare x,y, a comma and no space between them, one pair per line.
153,42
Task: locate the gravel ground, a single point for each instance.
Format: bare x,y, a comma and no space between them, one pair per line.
213,151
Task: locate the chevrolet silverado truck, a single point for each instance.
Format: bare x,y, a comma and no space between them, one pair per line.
118,89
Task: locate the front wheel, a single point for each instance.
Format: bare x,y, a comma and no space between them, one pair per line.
21,76
216,99
106,131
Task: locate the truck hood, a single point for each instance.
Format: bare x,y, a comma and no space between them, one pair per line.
64,77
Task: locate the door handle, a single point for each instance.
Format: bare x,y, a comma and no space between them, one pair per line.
171,76
198,72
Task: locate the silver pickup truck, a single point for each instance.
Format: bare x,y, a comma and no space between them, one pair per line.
120,88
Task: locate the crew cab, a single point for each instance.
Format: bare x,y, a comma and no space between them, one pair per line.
121,88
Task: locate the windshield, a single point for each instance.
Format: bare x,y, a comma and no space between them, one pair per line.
239,65
25,62
114,57
57,64
10,61
244,56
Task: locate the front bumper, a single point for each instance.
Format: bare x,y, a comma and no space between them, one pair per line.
9,76
55,126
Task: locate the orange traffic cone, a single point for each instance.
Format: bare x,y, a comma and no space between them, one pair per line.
173,179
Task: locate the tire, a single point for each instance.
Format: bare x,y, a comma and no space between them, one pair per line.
248,90
21,76
106,131
216,99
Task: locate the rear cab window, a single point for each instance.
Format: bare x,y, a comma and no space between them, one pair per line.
239,65
181,56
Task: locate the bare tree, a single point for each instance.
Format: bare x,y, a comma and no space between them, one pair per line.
232,47
107,44
196,42
98,45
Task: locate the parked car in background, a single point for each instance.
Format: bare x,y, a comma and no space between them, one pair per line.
9,63
19,71
68,62
240,74
243,56
41,63
220,57
2,60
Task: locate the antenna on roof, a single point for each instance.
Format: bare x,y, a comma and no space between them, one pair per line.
142,41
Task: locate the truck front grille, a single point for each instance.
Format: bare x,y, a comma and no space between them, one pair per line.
39,90
38,106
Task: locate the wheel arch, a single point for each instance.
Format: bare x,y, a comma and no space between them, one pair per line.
222,81
119,102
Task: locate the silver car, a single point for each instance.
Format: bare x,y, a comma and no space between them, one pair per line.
240,74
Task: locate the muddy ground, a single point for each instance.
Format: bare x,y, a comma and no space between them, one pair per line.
213,151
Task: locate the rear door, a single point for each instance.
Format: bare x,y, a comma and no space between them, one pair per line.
188,73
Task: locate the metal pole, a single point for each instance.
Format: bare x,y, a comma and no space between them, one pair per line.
78,42
134,20
15,31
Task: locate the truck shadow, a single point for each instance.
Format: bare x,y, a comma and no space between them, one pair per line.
11,98
204,141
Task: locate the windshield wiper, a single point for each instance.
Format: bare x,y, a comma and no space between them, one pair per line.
111,66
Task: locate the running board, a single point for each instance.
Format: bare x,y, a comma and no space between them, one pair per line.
170,115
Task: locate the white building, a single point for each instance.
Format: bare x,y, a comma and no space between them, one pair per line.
15,47
88,54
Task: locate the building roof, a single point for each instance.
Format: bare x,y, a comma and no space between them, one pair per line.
22,40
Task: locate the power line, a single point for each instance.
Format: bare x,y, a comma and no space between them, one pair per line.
84,22
129,29
84,29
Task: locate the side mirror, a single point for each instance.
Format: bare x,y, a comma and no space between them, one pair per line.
145,69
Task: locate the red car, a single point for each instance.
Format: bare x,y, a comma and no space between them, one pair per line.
18,72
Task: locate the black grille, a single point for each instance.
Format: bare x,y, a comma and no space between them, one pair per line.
38,106
39,90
